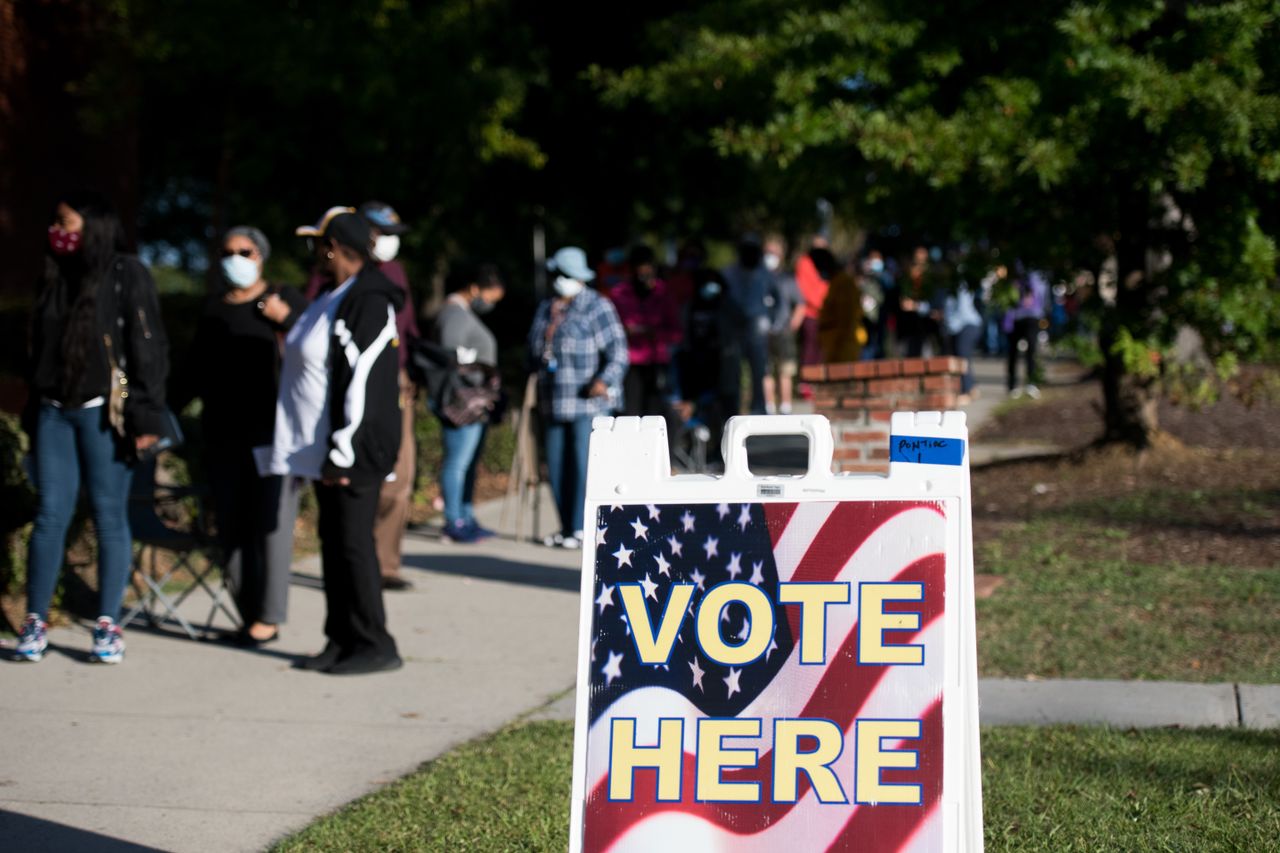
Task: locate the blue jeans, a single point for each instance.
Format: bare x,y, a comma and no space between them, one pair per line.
964,343
566,448
458,470
72,444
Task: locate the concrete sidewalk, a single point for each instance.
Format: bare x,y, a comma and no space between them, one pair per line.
200,746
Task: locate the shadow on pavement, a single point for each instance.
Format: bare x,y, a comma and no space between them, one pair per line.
21,832
497,569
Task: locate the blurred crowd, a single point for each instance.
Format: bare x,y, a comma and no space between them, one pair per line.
318,383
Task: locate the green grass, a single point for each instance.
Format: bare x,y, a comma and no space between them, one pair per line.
1061,789
1072,607
509,792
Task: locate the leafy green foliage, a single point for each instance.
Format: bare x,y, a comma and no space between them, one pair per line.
1067,134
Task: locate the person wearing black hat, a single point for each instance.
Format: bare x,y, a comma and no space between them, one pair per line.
338,423
397,493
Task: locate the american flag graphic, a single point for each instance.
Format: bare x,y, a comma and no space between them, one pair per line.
764,544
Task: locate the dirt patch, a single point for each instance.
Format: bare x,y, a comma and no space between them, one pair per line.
1070,415
1186,505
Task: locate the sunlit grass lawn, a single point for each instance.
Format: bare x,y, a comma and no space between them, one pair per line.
1073,606
1061,789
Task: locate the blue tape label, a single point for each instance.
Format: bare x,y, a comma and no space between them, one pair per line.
927,451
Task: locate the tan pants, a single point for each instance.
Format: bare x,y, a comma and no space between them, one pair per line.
393,501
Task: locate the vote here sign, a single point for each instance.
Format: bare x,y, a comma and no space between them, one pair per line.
769,672
772,675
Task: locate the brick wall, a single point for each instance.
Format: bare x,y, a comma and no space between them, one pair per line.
859,397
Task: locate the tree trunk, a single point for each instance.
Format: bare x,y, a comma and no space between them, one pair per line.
1131,414
1130,404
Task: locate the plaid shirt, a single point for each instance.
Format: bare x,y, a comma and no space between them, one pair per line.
587,345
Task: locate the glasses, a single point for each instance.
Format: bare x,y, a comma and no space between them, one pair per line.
244,253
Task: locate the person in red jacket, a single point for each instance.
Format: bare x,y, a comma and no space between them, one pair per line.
652,322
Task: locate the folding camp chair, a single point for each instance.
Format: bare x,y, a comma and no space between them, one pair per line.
190,550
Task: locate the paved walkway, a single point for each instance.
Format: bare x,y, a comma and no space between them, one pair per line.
197,746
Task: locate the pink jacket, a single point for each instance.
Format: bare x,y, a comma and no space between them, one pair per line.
652,322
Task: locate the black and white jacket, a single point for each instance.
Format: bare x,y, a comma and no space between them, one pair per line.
364,381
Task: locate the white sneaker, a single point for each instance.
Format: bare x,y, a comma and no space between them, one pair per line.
1015,393
32,639
572,543
1033,392
108,641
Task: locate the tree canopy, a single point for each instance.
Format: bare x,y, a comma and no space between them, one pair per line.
1138,140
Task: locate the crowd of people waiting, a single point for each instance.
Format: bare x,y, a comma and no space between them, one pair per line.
318,384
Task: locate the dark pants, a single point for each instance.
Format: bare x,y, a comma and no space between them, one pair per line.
255,517
811,350
566,447
1027,330
963,344
356,621
644,390
71,445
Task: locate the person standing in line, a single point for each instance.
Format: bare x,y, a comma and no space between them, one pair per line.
1022,331
338,423
840,327
652,323
96,321
397,493
962,321
875,284
578,350
787,316
233,367
813,287
750,293
460,331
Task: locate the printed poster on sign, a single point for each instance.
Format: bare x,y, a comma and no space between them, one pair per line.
772,675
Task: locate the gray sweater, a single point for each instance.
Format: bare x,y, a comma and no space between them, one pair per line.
459,330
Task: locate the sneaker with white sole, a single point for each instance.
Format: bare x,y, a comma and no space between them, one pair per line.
108,642
32,639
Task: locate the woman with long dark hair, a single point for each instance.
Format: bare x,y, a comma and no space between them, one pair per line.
99,358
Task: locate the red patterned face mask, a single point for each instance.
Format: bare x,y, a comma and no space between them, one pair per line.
62,241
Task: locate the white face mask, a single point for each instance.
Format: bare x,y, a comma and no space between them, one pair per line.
386,247
567,287
772,261
240,271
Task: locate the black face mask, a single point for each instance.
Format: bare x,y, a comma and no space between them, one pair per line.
480,306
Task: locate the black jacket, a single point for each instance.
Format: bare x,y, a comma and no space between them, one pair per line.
364,381
128,311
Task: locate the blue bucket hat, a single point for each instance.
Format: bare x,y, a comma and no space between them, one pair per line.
572,263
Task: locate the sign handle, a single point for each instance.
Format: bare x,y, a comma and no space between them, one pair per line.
815,427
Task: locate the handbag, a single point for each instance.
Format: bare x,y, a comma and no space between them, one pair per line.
118,394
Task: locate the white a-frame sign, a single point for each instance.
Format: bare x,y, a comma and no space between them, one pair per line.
777,662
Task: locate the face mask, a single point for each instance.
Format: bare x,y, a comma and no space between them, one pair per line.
567,287
240,271
64,242
772,261
479,306
710,291
386,247
877,265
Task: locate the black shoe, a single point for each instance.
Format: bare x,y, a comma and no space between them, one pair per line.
245,640
364,663
395,583
320,662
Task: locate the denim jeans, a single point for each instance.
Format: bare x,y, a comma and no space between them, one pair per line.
72,444
458,470
963,344
566,449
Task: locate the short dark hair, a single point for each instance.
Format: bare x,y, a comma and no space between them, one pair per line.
640,255
463,274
